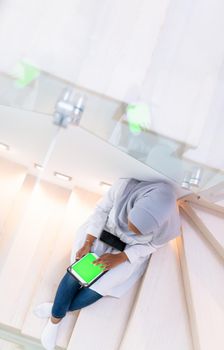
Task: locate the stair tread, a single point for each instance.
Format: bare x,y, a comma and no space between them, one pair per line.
214,222
11,179
24,264
14,217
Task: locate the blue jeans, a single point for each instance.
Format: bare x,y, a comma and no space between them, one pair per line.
70,296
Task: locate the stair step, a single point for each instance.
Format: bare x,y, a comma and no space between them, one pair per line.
101,325
29,252
213,221
11,179
204,283
160,318
14,217
215,192
212,235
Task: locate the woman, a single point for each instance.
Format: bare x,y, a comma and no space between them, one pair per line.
144,215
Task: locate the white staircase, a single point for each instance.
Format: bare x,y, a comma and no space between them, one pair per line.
177,305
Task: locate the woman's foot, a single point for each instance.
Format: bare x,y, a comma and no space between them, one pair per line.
43,310
49,335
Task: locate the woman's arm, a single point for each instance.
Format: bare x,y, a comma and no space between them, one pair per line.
99,217
85,249
137,251
132,254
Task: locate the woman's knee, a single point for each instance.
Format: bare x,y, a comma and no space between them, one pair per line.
84,298
66,291
69,280
68,284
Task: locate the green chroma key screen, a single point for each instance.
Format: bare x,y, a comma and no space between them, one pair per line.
86,269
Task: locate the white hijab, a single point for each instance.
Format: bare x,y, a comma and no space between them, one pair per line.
151,207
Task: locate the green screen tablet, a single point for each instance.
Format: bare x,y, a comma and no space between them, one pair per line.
85,271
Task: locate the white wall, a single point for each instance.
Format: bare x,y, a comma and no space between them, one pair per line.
167,52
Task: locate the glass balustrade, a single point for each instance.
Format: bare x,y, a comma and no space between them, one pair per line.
28,99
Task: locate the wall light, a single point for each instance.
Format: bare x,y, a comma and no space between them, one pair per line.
4,147
62,176
38,167
104,185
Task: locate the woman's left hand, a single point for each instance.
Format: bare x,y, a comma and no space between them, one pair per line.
109,260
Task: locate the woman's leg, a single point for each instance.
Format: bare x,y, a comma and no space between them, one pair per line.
67,288
84,297
66,291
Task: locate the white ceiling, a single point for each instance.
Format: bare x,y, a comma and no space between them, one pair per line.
170,53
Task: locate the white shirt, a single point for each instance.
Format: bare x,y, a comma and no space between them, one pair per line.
138,246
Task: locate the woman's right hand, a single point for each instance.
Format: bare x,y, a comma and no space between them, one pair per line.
83,251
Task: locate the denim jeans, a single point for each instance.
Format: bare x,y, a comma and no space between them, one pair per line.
70,296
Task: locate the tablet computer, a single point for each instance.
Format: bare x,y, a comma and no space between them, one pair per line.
85,271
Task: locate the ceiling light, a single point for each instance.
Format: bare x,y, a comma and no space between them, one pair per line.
62,176
38,166
105,185
4,147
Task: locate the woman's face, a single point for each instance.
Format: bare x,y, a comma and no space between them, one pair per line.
132,228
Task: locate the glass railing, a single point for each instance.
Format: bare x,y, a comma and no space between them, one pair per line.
29,98
18,345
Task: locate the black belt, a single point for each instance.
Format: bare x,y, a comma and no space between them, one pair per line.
112,240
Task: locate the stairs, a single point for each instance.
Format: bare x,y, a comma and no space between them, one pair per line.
202,267
37,233
178,304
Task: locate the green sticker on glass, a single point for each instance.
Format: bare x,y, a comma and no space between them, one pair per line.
25,73
138,116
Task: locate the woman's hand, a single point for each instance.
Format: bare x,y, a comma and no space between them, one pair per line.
86,246
83,251
111,260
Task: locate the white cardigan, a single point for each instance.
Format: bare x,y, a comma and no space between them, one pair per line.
138,249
